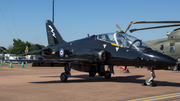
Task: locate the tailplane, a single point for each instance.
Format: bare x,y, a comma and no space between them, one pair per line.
53,35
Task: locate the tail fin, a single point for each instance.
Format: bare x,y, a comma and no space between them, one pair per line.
53,35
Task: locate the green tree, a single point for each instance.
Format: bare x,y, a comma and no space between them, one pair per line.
36,47
19,47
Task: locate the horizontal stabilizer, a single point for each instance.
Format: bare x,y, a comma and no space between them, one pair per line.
36,51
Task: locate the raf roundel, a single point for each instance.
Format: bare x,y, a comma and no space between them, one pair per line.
61,52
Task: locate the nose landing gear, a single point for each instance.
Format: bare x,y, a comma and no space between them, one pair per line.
149,81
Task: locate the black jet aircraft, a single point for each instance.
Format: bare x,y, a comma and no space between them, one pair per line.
92,53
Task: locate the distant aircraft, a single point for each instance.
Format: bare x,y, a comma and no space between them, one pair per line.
91,54
170,45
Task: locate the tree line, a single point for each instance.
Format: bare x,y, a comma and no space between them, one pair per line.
19,47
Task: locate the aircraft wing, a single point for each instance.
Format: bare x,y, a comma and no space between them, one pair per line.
53,60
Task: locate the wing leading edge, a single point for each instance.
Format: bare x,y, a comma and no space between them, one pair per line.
53,60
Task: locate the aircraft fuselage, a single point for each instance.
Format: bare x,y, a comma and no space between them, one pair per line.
90,48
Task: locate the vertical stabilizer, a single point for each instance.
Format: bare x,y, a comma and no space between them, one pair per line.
53,35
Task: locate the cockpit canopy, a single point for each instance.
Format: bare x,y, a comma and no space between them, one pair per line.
123,40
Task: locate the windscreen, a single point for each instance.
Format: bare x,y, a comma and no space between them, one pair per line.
125,40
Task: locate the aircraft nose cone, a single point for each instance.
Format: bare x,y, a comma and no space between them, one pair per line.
167,60
161,59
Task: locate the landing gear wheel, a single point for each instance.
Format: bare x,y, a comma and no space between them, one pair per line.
92,71
149,83
125,71
143,84
63,77
107,75
92,74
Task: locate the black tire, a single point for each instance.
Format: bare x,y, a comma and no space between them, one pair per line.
176,68
148,83
144,84
63,77
92,71
107,75
92,74
124,71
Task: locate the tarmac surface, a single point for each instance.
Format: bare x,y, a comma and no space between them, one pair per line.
43,84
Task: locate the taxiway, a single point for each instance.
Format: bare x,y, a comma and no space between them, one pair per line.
43,84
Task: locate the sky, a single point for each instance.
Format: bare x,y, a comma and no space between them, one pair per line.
74,19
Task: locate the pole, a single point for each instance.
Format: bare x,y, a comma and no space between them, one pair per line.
53,12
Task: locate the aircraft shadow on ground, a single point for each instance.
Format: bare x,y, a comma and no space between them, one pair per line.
120,79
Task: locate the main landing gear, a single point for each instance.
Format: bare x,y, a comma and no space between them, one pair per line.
64,76
109,71
107,74
100,69
149,81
